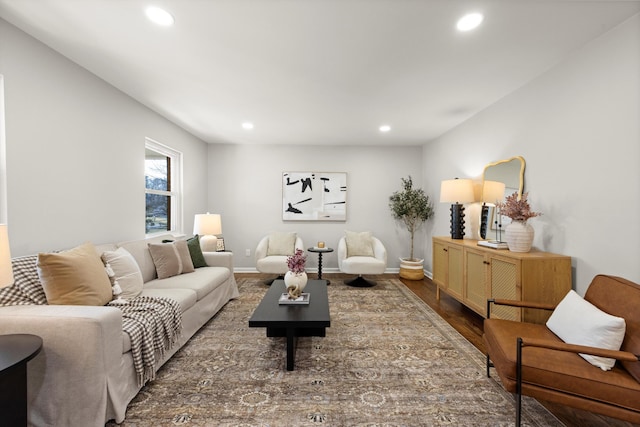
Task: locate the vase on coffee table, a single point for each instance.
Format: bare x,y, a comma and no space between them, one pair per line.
295,283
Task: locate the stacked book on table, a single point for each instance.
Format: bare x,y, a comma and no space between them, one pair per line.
495,244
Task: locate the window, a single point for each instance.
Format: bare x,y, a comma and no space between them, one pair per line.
162,188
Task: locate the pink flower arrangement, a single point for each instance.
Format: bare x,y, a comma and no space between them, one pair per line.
296,261
517,209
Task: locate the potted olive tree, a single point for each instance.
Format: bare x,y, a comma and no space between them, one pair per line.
412,208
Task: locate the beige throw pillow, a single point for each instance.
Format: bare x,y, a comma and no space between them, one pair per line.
171,259
281,244
359,244
125,271
74,277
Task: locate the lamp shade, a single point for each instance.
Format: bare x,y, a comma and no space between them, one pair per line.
456,191
207,224
6,272
492,192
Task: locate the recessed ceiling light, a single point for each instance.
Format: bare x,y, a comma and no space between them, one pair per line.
469,21
247,125
159,16
384,128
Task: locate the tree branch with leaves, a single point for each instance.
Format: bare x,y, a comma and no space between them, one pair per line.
411,207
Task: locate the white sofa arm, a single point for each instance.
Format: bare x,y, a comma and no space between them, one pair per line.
219,259
68,380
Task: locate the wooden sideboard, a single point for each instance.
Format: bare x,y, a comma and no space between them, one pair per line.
472,274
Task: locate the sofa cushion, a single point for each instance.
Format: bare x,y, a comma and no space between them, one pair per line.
171,259
202,281
281,243
359,244
363,265
274,264
74,277
577,321
186,298
125,271
196,252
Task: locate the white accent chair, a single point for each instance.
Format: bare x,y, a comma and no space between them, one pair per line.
361,263
272,252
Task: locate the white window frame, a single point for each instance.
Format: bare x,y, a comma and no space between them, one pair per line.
176,192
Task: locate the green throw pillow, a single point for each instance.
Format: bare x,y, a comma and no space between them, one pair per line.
196,252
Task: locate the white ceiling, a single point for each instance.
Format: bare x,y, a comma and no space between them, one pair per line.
316,71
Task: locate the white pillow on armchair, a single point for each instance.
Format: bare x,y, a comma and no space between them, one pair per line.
577,321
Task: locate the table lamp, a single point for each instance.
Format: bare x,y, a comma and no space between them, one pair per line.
207,226
457,191
6,272
492,194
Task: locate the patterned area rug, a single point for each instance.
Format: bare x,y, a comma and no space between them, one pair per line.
387,360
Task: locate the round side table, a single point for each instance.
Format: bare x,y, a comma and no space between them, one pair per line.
320,251
15,351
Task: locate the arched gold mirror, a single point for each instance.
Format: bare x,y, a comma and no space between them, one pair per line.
511,173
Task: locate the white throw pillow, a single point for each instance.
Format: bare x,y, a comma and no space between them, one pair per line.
359,244
577,321
281,244
125,271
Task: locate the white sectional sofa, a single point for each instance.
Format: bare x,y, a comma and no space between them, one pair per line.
85,375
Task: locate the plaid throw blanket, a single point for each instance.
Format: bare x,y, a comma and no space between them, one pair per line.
153,324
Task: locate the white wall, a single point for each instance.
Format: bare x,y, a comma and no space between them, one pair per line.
245,187
75,152
578,128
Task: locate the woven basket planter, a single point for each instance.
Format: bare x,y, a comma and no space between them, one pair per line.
412,270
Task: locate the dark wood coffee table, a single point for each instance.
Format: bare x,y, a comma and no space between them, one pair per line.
293,321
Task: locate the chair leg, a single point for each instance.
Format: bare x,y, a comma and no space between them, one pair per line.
489,365
519,382
360,282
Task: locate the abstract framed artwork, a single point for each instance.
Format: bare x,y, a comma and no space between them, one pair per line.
314,196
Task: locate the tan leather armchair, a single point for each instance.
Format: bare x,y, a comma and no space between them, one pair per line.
531,360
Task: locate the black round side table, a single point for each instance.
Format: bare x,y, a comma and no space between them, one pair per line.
15,351
320,251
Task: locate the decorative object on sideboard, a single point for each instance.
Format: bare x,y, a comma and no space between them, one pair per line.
6,272
411,207
510,171
207,226
296,278
518,234
492,194
457,191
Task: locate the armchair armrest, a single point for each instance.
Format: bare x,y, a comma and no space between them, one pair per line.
575,348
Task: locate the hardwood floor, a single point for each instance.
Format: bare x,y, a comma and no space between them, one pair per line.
469,324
